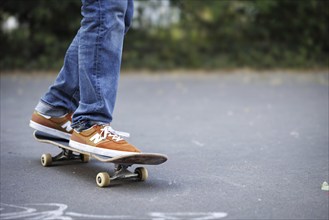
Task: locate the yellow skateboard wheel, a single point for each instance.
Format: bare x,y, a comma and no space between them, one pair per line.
103,179
85,158
46,160
142,173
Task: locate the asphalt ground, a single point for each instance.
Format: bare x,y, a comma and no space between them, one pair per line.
241,145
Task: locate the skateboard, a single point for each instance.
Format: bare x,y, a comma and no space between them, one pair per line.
103,179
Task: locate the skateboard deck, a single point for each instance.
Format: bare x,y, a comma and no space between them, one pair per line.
102,179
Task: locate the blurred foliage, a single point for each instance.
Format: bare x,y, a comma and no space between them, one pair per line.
209,34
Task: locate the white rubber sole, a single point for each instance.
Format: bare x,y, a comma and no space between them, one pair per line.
99,151
50,131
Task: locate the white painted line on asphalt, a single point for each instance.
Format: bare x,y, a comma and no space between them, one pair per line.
58,211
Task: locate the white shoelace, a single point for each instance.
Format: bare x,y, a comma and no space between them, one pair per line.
108,131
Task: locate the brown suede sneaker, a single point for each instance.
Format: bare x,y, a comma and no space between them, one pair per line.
102,140
59,127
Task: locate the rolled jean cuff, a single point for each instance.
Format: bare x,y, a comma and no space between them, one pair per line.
46,109
84,125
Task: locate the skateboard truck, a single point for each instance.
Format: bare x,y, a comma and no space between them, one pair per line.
122,172
65,155
103,179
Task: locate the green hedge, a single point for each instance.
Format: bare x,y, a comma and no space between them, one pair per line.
210,34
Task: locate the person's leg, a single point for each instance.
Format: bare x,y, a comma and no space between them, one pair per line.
100,49
53,112
63,96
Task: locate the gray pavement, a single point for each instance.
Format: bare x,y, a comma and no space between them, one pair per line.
240,146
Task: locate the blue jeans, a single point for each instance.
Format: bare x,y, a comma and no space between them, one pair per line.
88,81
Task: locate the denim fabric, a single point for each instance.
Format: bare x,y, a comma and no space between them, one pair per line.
88,81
